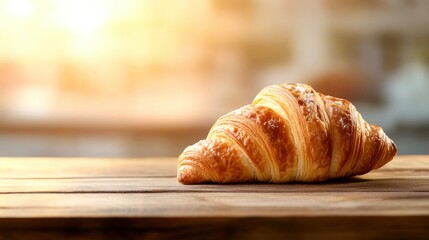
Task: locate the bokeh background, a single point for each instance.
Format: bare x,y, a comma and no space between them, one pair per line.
141,78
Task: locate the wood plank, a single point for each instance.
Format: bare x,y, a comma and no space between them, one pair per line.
147,167
86,167
50,175
156,185
51,198
215,204
408,227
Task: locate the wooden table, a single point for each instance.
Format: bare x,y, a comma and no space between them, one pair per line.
53,198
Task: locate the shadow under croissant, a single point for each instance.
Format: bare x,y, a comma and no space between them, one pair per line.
351,184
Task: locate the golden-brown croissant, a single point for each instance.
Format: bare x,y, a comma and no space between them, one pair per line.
290,133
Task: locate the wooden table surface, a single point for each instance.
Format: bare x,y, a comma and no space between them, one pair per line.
52,198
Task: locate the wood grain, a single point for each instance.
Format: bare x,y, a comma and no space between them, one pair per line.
131,198
214,204
165,185
409,227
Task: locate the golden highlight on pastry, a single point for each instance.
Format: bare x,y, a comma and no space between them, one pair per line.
290,133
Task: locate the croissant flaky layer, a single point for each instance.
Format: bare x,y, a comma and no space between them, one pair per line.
290,133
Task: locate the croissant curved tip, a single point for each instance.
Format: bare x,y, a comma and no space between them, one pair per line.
392,150
395,148
189,175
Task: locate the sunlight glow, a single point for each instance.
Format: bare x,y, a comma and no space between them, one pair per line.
19,8
81,16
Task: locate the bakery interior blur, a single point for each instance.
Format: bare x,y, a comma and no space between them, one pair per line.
142,78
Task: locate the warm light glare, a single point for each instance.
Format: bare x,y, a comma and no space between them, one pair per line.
81,16
180,64
62,53
94,30
19,8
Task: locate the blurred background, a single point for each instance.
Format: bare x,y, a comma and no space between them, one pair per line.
136,78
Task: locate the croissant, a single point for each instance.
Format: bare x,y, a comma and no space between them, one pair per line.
290,133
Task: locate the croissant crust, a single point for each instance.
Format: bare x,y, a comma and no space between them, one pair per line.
290,133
